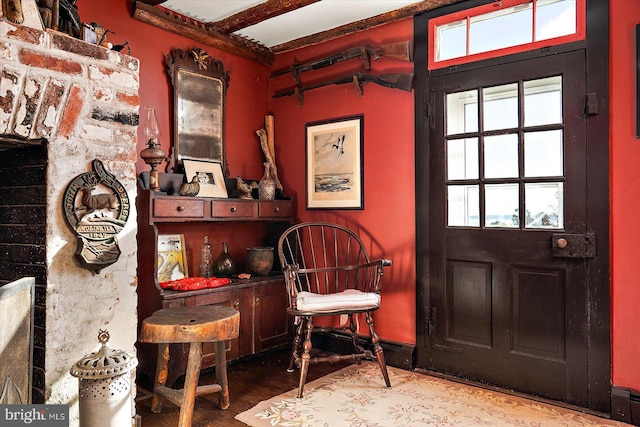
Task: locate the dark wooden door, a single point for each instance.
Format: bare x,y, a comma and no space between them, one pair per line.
510,248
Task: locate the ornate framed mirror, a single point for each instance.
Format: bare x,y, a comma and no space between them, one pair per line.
199,88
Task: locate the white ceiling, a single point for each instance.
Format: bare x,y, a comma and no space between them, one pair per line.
314,18
209,10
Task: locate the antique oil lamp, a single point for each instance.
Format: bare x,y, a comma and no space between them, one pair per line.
154,154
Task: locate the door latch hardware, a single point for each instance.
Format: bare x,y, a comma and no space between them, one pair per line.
574,245
591,104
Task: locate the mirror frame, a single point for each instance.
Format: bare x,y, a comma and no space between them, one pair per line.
189,70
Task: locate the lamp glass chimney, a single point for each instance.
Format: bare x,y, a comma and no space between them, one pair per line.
151,129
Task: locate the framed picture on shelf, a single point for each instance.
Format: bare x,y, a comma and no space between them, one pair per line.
209,175
89,34
172,257
334,164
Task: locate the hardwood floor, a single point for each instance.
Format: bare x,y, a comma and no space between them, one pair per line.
250,381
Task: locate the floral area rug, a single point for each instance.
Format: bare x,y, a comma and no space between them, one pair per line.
356,397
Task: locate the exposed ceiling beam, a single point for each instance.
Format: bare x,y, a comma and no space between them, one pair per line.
257,14
177,24
364,24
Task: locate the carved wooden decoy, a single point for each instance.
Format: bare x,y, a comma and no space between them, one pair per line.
190,188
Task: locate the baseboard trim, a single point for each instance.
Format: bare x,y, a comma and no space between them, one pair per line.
399,355
625,405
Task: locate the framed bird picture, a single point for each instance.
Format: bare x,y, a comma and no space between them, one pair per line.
334,164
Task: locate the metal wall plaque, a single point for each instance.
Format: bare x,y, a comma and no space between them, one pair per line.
96,207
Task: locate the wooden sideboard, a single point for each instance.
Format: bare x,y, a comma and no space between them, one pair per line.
261,300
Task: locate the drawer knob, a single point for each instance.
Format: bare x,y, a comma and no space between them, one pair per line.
277,209
233,209
180,208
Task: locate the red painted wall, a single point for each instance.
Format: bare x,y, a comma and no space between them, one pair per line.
388,217
247,97
625,196
387,222
247,103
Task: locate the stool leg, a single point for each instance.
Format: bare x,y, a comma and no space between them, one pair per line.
162,370
221,374
190,384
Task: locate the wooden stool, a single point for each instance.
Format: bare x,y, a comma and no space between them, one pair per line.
193,325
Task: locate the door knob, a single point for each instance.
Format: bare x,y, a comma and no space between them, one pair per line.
565,245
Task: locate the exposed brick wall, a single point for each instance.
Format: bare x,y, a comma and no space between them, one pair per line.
78,102
22,236
43,83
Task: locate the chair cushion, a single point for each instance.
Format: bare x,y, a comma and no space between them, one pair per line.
349,299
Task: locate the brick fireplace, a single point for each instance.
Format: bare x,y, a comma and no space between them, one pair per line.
64,103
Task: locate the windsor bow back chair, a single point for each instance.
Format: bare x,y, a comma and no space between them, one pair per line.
328,272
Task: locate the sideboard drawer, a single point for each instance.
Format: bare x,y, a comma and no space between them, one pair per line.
229,297
231,209
275,209
181,208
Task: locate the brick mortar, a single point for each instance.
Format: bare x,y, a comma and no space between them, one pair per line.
110,84
48,45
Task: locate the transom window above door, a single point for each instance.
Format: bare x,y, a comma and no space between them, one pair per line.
502,28
505,156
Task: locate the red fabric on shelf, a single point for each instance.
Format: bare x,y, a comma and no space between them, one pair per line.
194,283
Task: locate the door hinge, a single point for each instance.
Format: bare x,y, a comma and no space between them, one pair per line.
591,104
427,108
431,111
431,322
574,245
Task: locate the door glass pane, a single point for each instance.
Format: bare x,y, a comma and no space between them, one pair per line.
544,205
543,101
506,152
451,40
507,27
543,153
463,205
462,158
555,18
500,105
462,112
501,156
501,205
